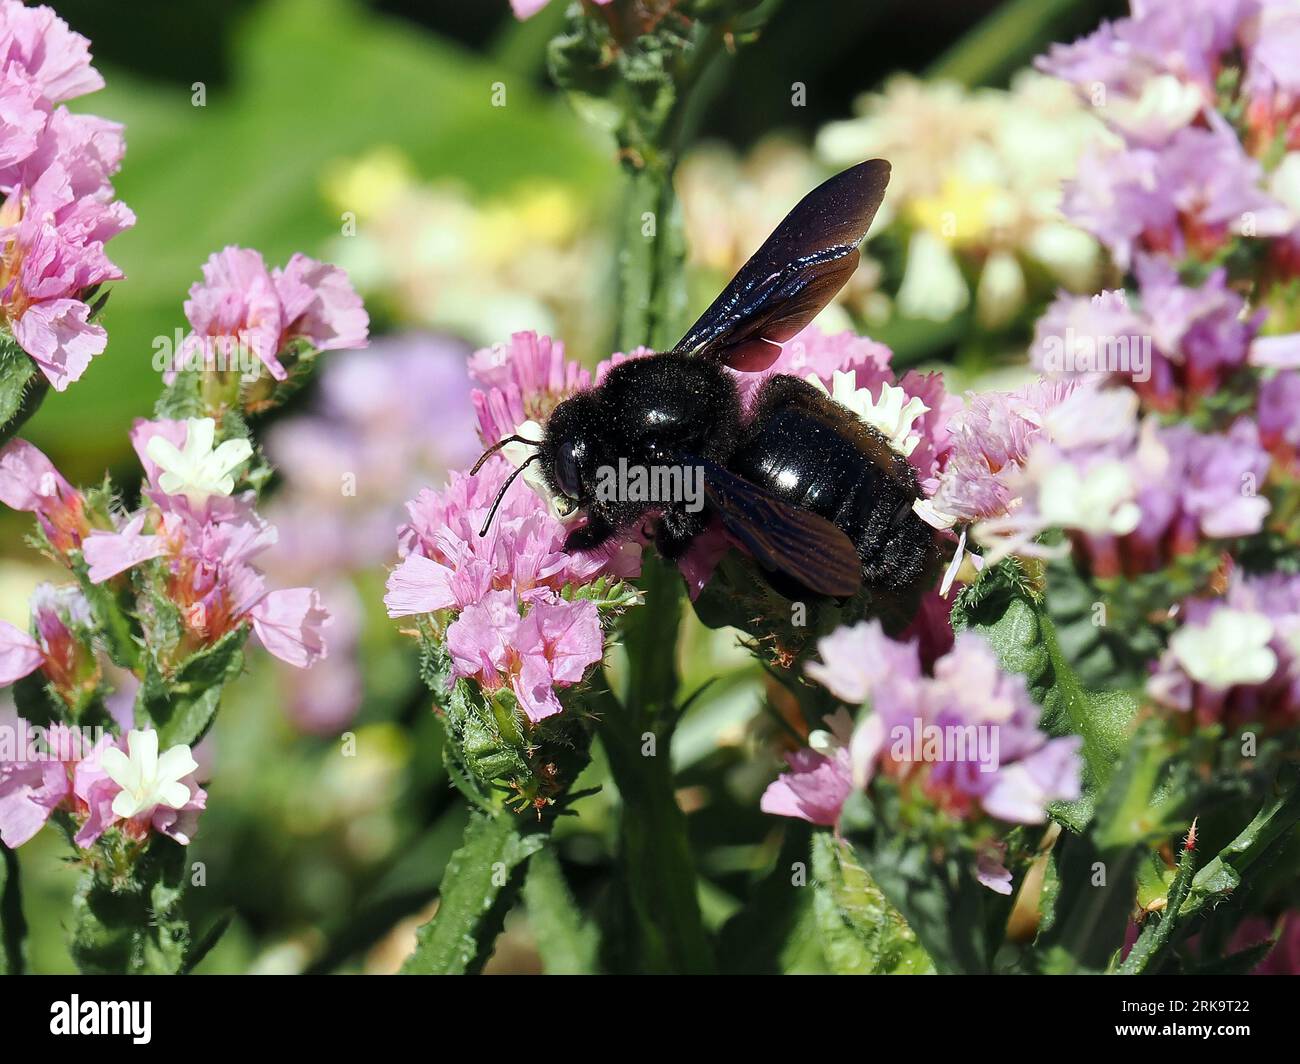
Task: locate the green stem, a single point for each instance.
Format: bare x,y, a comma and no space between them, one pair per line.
1009,38
22,387
13,926
1159,930
481,883
569,945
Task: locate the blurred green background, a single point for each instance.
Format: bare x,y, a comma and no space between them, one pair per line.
319,858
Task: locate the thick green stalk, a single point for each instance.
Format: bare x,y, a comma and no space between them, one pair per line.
13,927
480,885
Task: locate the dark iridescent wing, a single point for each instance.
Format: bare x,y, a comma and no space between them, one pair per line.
794,274
782,537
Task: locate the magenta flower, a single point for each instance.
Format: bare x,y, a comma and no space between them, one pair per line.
820,779
37,769
551,645
240,306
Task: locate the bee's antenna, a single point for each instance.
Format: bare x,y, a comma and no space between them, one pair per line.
504,487
496,447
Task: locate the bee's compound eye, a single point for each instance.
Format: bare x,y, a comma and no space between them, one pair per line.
566,470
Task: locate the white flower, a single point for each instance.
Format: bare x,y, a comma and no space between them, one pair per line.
893,413
837,734
1231,649
198,471
1099,501
1001,291
147,780
933,287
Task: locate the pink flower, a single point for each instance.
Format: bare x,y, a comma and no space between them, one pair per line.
29,482
965,738
20,654
57,208
291,624
40,44
241,306
37,766
814,789
549,646
447,564
525,9
208,554
523,380
165,797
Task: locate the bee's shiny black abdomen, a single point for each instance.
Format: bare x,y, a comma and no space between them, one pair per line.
814,454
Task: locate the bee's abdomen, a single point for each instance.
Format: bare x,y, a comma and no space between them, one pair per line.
814,454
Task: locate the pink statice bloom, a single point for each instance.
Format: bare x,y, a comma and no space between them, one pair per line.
29,482
1236,658
990,442
446,564
57,207
37,768
521,381
819,780
20,654
1008,769
551,644
40,44
241,306
208,553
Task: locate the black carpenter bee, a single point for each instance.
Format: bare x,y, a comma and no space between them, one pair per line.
815,495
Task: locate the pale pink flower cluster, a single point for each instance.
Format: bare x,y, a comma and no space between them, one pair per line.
503,594
964,739
48,770
207,548
240,305
57,206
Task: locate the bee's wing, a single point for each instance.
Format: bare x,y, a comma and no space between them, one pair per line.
780,536
794,274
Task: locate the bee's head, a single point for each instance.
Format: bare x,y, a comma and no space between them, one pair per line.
566,453
569,450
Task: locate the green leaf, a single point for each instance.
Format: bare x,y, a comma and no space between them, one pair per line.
13,926
758,938
1005,608
182,706
204,945
958,921
22,387
568,943
1097,871
129,922
861,933
482,881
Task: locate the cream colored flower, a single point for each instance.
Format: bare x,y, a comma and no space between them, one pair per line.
198,470
147,779
893,414
1231,649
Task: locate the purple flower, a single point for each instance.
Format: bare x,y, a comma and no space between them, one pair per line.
965,739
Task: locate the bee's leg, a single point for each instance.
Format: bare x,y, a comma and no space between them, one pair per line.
593,534
675,529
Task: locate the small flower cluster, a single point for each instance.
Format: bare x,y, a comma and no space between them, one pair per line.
57,206
511,600
963,740
124,783
240,306
975,191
